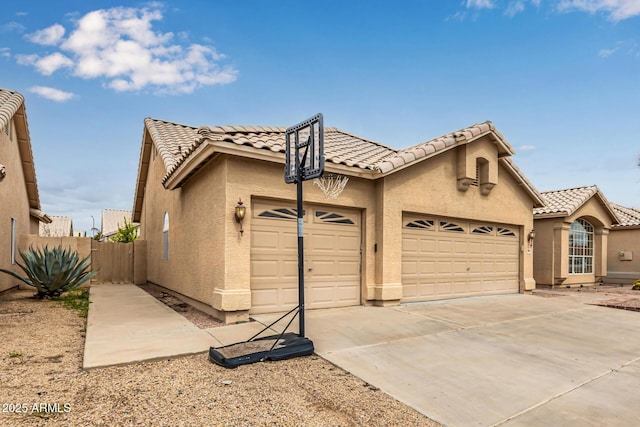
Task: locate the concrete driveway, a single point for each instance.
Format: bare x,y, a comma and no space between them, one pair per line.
503,360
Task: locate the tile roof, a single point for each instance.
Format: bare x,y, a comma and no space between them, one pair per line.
629,217
12,106
559,203
175,143
178,144
112,219
60,226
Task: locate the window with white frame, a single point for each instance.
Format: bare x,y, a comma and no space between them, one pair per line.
165,236
581,247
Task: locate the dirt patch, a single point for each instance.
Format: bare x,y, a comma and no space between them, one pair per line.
610,295
42,384
192,314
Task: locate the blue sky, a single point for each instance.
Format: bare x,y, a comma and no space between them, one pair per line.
558,78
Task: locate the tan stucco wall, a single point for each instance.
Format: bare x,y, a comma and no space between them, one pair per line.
431,187
13,204
551,255
209,261
623,240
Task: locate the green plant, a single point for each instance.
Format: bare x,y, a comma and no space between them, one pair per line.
52,271
636,285
13,354
127,233
77,300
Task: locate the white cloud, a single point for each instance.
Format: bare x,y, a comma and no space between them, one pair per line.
51,93
5,52
46,65
514,8
629,47
49,36
12,26
480,4
618,10
120,46
527,147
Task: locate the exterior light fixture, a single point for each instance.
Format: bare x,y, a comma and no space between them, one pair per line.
240,212
531,237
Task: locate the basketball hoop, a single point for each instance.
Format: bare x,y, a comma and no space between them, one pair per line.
331,184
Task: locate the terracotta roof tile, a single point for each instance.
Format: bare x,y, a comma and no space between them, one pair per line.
628,216
568,201
176,142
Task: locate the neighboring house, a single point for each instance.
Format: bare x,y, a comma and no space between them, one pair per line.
623,255
60,226
19,200
112,219
572,230
442,219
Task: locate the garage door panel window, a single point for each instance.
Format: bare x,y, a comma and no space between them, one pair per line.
505,232
333,218
280,213
483,229
451,226
581,247
425,224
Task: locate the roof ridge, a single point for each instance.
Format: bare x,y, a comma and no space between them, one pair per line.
572,188
169,122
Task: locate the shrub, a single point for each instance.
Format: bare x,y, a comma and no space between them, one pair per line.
636,285
126,234
52,271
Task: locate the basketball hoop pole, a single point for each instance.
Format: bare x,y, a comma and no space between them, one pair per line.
300,241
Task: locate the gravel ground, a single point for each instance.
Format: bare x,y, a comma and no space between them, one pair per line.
41,375
617,296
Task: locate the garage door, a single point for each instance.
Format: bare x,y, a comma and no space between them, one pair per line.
332,257
449,258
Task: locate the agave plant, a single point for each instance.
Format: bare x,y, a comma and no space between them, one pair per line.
52,271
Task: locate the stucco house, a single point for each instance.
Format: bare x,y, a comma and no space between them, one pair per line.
571,235
446,218
19,200
112,219
623,254
60,226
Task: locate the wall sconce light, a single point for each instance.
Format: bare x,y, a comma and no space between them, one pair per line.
531,237
240,212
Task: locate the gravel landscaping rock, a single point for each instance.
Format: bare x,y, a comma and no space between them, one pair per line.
41,377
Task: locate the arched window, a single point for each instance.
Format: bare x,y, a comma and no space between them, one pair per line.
165,236
581,247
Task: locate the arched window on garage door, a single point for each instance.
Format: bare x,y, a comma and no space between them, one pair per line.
581,247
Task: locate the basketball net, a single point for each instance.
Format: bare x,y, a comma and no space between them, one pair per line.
331,185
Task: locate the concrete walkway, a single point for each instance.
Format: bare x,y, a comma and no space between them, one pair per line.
127,325
504,360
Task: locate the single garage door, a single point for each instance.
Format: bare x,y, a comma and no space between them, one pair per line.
332,257
449,258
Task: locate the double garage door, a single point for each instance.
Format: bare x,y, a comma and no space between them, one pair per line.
332,257
449,258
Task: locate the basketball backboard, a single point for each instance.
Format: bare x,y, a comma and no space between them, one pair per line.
304,152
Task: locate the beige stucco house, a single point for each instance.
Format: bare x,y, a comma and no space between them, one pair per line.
112,220
445,218
623,254
60,226
19,200
572,231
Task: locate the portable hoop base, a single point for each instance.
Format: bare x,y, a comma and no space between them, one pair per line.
259,350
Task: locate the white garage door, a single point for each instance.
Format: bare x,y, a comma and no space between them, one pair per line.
332,257
448,258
